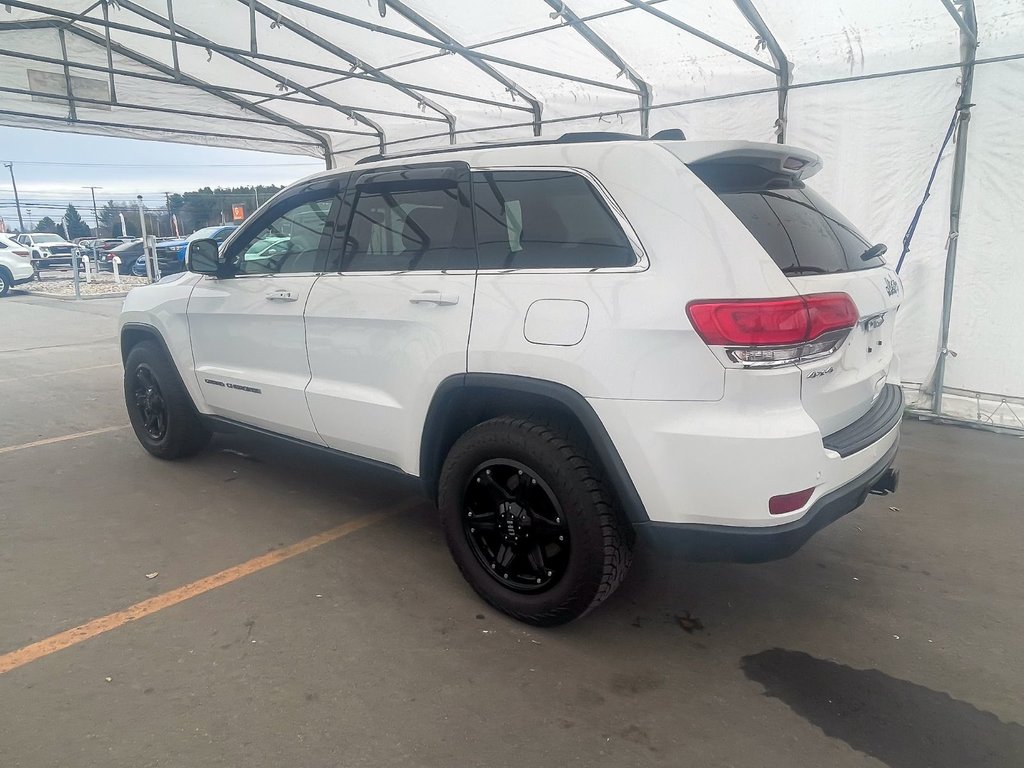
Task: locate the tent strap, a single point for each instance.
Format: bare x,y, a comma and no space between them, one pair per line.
927,190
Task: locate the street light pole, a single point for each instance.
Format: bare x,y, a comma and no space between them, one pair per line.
17,201
95,212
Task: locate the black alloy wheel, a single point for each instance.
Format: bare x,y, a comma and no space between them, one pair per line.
515,527
162,414
528,520
150,402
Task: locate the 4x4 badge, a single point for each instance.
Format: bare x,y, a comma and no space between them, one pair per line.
891,286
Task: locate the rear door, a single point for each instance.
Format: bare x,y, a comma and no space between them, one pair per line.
248,338
821,251
393,323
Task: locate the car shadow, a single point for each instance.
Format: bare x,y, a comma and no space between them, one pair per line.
900,723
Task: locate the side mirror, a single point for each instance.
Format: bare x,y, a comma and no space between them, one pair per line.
203,258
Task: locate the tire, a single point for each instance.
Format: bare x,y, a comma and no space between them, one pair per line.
598,542
179,433
6,281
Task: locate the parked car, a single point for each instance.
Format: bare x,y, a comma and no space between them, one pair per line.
103,244
171,253
127,252
570,342
167,256
15,264
49,250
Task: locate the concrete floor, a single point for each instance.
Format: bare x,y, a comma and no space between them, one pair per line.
893,638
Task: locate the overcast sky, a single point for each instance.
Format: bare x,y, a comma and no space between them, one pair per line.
51,169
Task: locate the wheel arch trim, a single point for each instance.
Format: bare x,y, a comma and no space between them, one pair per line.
152,333
431,444
141,328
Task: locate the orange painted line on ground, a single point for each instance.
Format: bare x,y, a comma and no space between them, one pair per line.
61,439
91,629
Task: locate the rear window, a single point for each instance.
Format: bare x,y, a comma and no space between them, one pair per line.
798,228
545,220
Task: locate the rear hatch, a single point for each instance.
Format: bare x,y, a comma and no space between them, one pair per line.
820,251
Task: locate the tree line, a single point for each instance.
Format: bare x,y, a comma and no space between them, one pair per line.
72,219
193,210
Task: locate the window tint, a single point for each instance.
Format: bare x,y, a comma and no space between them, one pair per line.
798,228
414,229
545,220
294,241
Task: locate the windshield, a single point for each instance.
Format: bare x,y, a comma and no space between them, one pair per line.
800,230
204,234
211,233
47,239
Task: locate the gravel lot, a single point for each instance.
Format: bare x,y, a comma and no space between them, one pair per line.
62,284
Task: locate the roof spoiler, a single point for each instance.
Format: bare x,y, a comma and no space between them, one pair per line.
778,158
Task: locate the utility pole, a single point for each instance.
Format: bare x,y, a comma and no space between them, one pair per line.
95,212
17,202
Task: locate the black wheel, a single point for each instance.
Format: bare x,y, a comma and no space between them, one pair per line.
159,407
529,522
5,282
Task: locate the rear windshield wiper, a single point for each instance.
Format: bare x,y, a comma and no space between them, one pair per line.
801,269
876,250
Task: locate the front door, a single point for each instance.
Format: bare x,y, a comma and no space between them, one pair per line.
394,322
247,331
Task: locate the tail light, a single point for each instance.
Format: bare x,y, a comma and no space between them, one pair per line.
773,332
22,254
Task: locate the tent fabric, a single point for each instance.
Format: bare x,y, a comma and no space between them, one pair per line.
872,87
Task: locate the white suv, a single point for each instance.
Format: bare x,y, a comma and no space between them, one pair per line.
15,264
568,341
49,250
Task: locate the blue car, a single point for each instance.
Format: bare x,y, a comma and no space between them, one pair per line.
170,254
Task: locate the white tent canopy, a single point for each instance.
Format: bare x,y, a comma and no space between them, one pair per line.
871,85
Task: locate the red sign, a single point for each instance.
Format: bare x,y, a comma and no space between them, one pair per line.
237,212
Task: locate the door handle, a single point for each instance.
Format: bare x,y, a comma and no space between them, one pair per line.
434,297
282,296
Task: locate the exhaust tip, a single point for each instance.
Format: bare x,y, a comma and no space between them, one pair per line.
887,483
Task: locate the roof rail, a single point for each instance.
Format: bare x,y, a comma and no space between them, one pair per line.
578,137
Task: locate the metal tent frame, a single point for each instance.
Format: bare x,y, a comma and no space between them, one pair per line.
277,93
442,42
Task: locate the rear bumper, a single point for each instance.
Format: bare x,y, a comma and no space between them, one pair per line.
719,463
722,543
880,419
22,273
